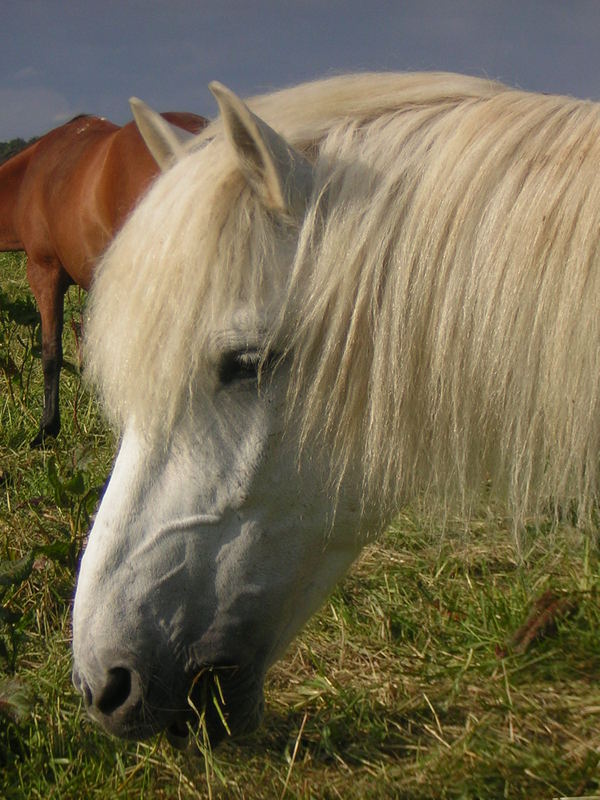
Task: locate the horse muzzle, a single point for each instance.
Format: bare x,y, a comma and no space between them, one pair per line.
210,703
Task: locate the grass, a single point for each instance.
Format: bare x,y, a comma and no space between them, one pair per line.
410,683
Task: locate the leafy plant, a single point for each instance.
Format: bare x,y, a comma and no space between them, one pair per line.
74,495
12,624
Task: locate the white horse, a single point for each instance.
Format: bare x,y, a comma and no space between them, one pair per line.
361,291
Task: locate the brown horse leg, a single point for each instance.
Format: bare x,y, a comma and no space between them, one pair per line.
48,283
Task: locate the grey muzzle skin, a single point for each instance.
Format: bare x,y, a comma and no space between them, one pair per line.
226,701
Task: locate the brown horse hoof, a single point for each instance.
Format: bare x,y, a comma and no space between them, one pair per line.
40,440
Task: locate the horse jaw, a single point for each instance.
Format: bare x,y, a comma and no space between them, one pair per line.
167,143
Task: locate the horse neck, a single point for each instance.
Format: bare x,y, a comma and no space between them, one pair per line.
11,178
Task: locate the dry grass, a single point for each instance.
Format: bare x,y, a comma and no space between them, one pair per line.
408,684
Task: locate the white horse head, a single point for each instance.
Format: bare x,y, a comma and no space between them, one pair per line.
298,330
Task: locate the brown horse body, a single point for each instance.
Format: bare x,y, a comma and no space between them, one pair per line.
62,199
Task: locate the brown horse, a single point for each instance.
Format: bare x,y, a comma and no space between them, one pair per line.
62,199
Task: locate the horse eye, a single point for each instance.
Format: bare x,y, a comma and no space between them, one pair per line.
239,365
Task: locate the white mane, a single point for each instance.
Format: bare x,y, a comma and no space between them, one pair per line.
441,312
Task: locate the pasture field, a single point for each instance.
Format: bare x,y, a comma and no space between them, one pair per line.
414,681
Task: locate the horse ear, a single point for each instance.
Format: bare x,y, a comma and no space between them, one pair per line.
280,174
166,142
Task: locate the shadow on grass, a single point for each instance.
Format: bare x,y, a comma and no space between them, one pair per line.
331,737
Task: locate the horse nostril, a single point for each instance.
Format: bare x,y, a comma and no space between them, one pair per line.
116,691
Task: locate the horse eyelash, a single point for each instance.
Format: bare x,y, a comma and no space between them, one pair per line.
239,365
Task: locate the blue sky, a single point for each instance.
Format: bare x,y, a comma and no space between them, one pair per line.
59,58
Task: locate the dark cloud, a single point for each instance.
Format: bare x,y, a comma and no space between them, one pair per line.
62,58
32,110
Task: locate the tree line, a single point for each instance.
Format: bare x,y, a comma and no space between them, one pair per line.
13,146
